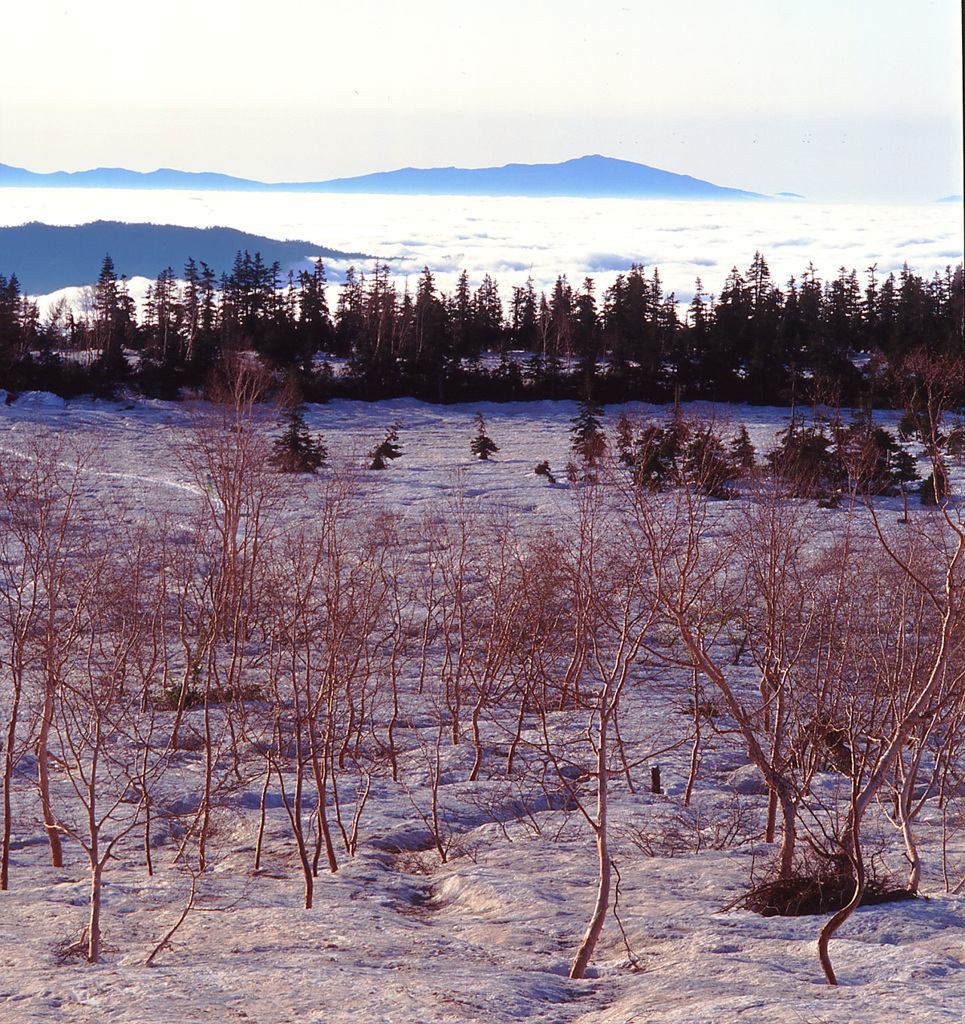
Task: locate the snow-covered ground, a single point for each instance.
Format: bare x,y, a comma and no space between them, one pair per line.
398,936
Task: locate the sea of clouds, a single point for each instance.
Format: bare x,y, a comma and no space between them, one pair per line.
514,239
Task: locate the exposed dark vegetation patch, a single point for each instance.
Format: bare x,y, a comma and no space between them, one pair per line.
807,894
170,698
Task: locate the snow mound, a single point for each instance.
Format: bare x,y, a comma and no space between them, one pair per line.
41,400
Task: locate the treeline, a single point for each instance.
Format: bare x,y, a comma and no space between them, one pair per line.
753,342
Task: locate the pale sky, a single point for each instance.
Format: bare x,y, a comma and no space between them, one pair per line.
834,99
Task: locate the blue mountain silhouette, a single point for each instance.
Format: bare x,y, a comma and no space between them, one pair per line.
46,257
118,177
588,177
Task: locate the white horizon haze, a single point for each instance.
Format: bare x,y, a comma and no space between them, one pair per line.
837,102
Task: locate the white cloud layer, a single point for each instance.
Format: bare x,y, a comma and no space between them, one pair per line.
513,239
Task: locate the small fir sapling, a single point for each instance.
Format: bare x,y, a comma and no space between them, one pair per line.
914,425
660,456
389,449
706,463
742,452
543,469
482,446
894,466
589,441
297,451
651,455
807,460
935,488
625,439
873,460
955,443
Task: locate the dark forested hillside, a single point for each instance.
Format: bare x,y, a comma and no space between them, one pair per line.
47,257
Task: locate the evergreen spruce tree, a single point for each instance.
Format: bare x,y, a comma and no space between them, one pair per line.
389,449
9,319
955,442
742,452
113,318
482,446
706,463
935,488
296,451
625,439
652,453
589,441
873,458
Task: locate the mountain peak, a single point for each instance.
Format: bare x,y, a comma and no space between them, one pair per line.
590,177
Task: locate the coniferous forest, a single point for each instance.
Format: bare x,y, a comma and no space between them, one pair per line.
755,342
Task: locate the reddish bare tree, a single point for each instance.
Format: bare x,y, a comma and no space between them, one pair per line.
917,692
46,532
99,726
222,572
603,589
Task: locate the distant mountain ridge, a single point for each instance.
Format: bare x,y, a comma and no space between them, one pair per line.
119,177
587,177
46,257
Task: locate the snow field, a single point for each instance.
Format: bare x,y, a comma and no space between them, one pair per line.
396,935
